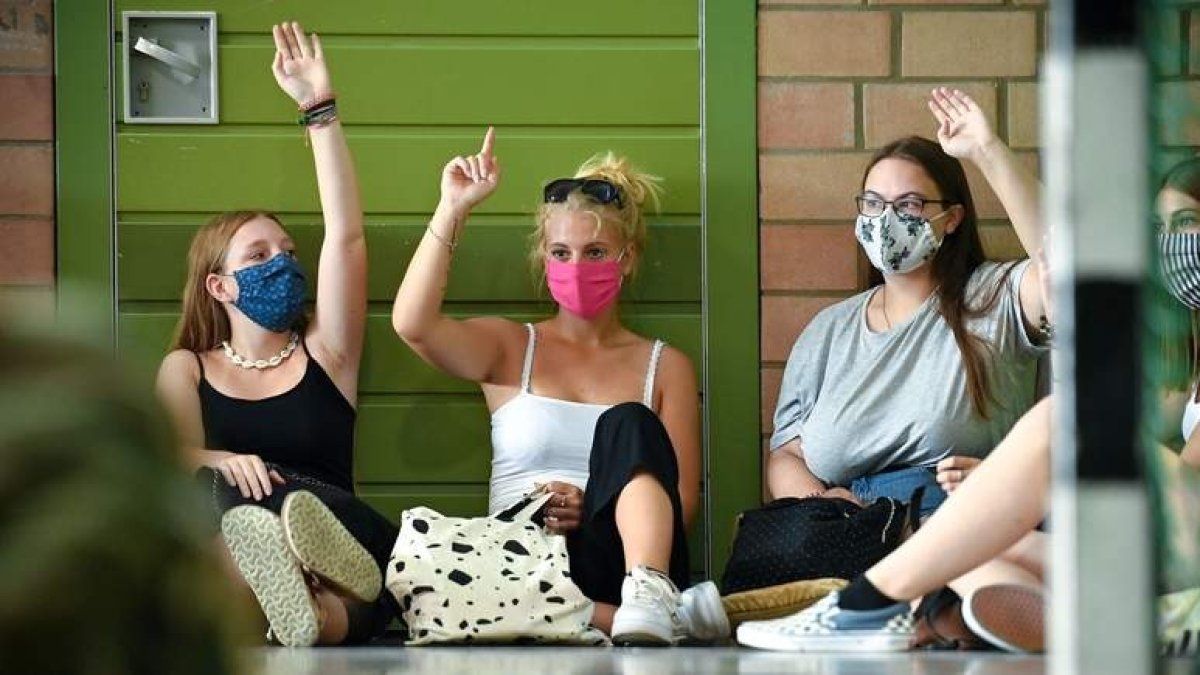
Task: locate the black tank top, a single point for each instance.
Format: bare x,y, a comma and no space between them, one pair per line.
308,429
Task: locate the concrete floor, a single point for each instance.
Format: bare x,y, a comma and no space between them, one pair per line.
594,661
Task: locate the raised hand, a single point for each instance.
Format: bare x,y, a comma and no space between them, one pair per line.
299,65
963,129
467,181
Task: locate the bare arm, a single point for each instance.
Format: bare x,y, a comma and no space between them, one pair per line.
177,392
788,474
680,414
471,349
341,307
176,389
964,132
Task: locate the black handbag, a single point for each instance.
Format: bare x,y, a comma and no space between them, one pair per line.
794,539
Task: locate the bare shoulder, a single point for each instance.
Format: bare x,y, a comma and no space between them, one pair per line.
675,368
180,364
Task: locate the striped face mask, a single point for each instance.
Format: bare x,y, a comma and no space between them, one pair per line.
1180,253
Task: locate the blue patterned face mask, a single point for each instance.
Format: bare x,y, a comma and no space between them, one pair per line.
272,294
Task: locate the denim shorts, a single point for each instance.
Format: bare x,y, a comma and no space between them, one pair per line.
899,484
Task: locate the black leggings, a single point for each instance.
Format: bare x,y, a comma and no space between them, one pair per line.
629,438
376,533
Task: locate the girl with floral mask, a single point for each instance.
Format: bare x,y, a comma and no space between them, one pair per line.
607,419
914,381
263,397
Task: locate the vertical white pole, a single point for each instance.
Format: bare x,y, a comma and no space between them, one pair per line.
1096,141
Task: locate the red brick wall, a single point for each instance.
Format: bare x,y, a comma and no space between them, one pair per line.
839,78
26,148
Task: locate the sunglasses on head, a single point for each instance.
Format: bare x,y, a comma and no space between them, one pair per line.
597,189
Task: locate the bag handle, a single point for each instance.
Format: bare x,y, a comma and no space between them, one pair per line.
527,507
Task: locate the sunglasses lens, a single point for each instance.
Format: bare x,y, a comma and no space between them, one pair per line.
600,191
557,190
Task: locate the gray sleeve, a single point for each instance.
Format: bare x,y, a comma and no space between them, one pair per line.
1014,315
801,382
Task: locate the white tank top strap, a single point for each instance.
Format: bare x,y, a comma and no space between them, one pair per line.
527,368
651,372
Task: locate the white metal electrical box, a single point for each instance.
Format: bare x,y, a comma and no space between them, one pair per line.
170,71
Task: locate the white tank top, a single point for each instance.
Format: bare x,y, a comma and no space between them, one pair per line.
1191,416
538,439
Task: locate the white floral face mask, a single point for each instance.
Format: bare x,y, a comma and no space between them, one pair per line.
896,243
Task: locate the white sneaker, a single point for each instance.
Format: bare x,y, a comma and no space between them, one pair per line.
647,615
701,616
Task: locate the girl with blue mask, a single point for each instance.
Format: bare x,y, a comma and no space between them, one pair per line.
264,398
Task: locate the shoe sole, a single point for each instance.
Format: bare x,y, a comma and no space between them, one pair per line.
326,548
640,639
1008,616
256,541
707,607
845,641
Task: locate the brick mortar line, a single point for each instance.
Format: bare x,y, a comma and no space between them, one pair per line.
896,67
17,143
18,217
10,70
860,115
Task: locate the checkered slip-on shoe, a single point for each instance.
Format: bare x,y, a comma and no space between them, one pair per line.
325,548
255,538
825,627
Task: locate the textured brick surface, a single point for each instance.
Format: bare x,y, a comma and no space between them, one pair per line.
814,187
1023,114
27,252
26,108
809,257
891,111
26,29
27,180
824,43
969,43
805,115
783,319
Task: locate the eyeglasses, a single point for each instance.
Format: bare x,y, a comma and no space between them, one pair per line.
872,205
597,189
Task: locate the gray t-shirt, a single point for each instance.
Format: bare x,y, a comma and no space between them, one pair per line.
862,402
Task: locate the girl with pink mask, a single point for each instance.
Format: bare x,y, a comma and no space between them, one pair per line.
607,419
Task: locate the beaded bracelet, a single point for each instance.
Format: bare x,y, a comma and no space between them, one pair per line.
318,114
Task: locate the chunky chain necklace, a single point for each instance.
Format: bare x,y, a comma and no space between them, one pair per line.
261,364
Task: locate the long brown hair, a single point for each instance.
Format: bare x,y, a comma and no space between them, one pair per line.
960,254
1183,177
203,323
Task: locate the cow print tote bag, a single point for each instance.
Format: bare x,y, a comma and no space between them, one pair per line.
501,578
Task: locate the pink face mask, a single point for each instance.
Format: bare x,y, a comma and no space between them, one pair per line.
584,289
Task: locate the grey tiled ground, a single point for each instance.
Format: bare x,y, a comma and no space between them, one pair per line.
588,661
